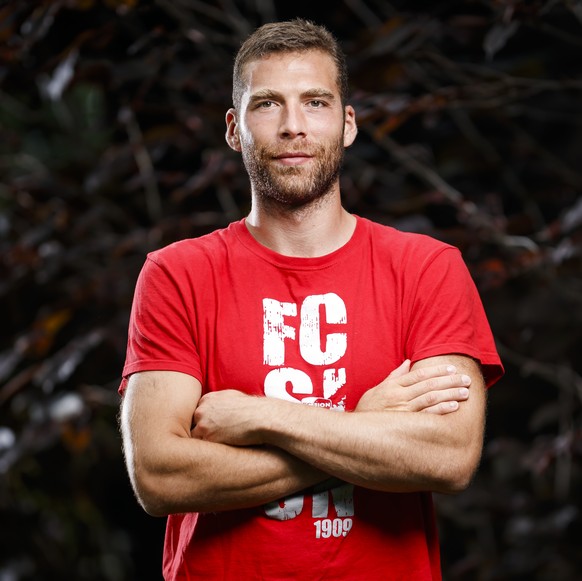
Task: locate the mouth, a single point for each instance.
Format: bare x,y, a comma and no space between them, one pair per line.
293,158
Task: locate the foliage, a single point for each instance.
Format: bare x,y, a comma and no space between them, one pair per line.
111,145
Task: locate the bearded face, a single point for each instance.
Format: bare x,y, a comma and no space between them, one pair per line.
291,128
295,185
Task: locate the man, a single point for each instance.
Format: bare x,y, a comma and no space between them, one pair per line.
379,334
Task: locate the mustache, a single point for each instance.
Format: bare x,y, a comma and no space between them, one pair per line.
274,152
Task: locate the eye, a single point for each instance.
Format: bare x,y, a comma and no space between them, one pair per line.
265,104
316,103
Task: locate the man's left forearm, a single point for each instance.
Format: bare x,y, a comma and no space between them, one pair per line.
391,451
388,450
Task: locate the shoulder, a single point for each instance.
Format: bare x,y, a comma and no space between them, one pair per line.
405,246
195,252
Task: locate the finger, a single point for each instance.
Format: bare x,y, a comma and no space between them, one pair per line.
401,370
442,398
446,407
425,373
440,383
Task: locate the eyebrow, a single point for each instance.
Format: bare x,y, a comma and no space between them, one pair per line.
270,94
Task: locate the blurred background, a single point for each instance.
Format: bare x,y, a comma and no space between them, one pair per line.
111,145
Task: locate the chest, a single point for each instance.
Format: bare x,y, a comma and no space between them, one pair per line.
321,338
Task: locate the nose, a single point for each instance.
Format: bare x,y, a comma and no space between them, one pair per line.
293,121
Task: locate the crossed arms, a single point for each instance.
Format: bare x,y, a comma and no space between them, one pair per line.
418,430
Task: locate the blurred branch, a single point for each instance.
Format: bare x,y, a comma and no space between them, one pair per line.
474,216
493,85
572,39
144,163
185,11
575,6
554,163
415,166
39,22
563,478
462,119
365,14
561,376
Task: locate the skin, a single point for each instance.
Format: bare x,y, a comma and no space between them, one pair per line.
420,429
292,108
380,448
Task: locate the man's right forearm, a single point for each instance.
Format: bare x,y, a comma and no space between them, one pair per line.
198,476
171,471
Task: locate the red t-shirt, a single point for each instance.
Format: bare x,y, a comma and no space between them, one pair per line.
318,331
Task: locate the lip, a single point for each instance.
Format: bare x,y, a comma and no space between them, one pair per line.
293,158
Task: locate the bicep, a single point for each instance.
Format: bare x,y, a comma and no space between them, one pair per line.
157,405
470,416
462,431
173,472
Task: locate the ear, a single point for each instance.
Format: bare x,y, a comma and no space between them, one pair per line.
350,126
231,136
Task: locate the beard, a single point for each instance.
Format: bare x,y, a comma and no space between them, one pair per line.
294,186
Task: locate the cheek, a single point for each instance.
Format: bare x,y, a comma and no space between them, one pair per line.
249,139
245,143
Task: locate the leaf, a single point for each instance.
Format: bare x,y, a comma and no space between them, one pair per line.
498,36
54,86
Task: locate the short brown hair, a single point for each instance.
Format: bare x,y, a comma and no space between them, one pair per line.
295,35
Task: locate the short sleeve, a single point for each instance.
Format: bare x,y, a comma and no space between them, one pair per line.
161,336
446,315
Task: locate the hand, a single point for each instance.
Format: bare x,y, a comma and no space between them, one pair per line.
438,389
229,417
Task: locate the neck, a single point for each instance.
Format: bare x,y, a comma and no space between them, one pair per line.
310,231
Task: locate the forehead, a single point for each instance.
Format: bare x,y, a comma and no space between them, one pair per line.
278,71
